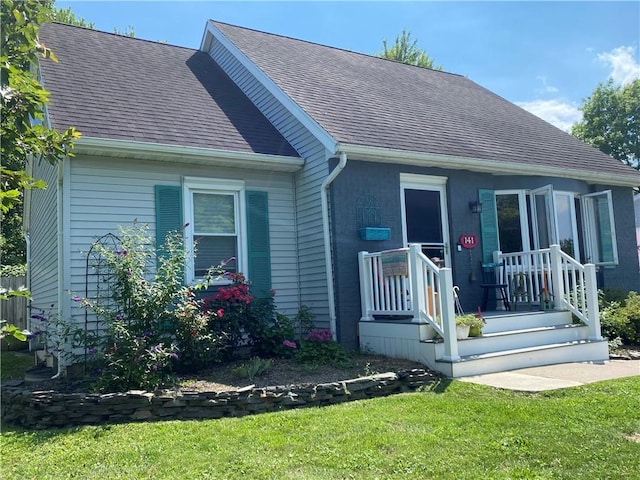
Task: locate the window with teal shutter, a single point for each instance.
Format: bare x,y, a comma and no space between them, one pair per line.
259,249
488,224
168,212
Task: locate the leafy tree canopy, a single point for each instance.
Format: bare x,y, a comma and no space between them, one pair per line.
405,50
24,136
65,15
611,121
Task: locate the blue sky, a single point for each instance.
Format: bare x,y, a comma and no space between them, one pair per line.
545,56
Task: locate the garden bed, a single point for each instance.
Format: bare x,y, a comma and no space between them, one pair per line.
215,393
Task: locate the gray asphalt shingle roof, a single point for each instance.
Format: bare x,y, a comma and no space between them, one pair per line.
364,100
116,87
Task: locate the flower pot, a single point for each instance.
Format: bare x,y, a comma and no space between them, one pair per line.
462,331
475,331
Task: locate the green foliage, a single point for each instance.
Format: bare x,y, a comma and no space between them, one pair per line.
24,137
620,318
611,121
255,367
153,323
13,365
128,31
65,15
405,50
318,348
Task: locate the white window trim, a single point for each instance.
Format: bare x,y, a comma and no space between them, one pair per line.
412,181
524,217
574,219
191,185
589,225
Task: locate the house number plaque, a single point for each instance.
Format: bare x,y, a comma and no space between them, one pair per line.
468,240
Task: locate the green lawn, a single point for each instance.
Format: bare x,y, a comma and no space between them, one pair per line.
454,431
14,364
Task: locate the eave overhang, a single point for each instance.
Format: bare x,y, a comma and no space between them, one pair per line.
495,167
106,147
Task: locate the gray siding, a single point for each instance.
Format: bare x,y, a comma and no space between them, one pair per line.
310,241
43,234
107,193
383,181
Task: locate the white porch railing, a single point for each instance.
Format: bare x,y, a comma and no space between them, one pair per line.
555,280
405,282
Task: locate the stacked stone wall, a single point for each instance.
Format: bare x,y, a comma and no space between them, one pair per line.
50,409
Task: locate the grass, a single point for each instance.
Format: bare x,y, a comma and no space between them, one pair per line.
453,431
14,364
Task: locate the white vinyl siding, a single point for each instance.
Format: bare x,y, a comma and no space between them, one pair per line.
313,283
43,234
106,193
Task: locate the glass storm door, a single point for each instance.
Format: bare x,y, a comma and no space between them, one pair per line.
425,216
543,224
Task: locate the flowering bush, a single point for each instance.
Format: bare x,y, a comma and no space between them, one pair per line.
152,323
319,348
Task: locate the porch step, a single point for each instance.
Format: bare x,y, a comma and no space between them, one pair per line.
521,338
477,364
506,321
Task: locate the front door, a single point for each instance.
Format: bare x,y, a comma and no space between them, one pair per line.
425,215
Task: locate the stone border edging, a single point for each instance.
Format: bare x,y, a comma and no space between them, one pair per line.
51,409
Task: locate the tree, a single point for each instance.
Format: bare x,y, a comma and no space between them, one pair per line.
65,15
611,121
24,136
405,50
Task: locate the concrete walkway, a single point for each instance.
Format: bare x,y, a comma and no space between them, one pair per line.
552,377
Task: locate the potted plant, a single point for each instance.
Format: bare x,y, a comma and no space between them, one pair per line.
469,325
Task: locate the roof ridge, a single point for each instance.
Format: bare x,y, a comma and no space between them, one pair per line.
119,35
375,57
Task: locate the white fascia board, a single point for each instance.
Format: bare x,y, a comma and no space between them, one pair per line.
496,167
178,153
298,112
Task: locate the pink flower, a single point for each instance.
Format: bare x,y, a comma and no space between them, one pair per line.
290,344
220,313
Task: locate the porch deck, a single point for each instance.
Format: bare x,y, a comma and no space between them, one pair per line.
419,323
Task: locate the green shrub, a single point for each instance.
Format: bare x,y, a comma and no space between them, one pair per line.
620,317
255,367
318,348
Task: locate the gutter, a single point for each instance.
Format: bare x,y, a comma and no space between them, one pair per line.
327,241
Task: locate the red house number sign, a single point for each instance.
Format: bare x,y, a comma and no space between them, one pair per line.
468,240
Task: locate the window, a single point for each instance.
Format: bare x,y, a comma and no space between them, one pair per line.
214,213
600,231
551,217
513,230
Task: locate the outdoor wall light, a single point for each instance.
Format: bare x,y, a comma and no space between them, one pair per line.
475,207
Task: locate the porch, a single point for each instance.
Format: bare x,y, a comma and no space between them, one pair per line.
408,311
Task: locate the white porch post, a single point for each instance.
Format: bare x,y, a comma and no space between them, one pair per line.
593,311
448,316
366,282
556,277
418,288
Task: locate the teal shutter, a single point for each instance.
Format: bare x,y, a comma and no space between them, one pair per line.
168,212
259,273
488,224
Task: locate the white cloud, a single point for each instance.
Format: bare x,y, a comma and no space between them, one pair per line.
625,67
559,113
546,87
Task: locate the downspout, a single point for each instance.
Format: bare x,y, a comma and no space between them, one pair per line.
60,239
327,241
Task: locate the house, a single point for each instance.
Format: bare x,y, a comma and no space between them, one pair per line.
319,155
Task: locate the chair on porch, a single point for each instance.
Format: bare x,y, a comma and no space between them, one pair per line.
493,278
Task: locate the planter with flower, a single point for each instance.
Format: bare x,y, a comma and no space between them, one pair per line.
469,325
